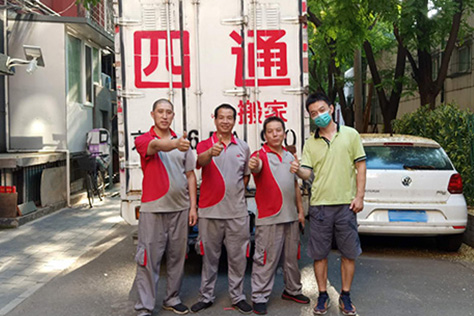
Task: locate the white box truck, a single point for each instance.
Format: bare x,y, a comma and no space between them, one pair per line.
252,54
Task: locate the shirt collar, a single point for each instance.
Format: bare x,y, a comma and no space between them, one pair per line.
316,133
215,139
267,149
152,133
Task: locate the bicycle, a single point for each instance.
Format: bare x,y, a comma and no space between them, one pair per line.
93,178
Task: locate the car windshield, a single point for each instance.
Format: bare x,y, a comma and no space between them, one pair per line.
407,158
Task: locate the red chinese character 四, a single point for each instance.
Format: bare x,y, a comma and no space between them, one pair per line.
144,71
276,108
271,58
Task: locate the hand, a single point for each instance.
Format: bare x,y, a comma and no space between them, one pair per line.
357,204
301,218
183,143
295,165
254,162
193,217
217,148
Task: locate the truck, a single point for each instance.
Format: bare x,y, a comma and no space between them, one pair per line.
252,54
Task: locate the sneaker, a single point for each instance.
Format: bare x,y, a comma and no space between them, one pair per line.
178,308
143,312
200,306
322,306
243,307
299,298
346,306
260,308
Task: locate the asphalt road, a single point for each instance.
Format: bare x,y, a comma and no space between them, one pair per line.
394,277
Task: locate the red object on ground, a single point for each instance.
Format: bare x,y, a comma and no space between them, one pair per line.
7,189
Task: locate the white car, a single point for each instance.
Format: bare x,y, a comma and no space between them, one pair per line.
412,189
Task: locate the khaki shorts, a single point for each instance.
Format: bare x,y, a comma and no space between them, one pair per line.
327,221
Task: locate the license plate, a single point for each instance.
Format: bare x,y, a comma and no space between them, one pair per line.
407,216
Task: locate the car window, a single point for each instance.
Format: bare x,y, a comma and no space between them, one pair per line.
407,158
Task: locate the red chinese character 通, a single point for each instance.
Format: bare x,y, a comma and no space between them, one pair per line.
271,59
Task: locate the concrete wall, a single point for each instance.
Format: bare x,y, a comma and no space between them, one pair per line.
40,116
36,107
79,122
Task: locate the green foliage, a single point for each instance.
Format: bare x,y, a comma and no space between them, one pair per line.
453,129
342,28
88,3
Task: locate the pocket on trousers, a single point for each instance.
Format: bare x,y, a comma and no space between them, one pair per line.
260,255
199,246
141,256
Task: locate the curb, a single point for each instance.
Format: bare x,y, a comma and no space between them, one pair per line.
15,222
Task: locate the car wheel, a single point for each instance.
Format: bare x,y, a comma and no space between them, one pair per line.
449,242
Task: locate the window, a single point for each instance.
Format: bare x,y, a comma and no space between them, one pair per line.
461,60
406,157
464,58
88,71
74,86
83,70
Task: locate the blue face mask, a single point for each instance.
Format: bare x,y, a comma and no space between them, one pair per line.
323,120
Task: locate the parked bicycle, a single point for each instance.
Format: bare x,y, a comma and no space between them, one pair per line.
93,178
94,165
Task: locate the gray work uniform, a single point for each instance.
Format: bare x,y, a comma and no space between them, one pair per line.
277,236
223,217
162,226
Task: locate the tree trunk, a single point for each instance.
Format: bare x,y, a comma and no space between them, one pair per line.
390,106
358,110
427,87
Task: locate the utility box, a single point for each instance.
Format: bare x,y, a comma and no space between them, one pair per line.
8,201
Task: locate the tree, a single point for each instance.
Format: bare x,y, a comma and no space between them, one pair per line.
388,84
336,29
424,27
408,29
88,3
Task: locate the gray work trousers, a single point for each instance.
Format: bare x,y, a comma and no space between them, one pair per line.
160,233
275,243
234,233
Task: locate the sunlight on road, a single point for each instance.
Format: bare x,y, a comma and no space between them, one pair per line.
57,265
113,220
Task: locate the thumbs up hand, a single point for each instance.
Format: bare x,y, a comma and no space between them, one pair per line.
183,143
217,148
255,163
294,165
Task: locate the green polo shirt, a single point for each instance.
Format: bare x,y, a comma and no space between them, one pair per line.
333,165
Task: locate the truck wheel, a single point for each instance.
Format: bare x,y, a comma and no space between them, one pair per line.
449,243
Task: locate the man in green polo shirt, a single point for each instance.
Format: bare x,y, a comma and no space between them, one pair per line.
336,157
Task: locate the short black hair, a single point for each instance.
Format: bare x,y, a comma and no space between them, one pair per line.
225,106
273,119
163,100
315,97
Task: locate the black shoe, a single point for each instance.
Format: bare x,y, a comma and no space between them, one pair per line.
200,306
178,308
260,308
300,298
243,307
